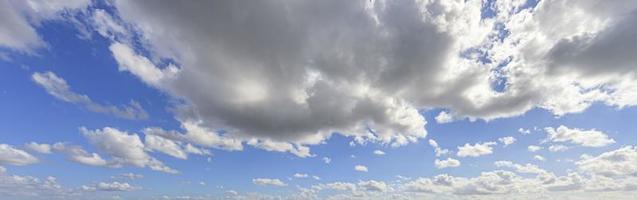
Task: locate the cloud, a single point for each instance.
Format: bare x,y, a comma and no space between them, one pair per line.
617,163
558,148
58,88
111,187
130,176
170,147
538,157
360,168
12,156
439,151
379,152
268,182
40,148
124,149
449,162
327,160
299,175
587,138
534,148
23,187
79,155
507,140
443,117
476,149
372,185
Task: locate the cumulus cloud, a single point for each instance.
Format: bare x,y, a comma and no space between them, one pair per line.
379,152
327,160
539,157
78,154
558,148
268,182
361,168
437,149
9,155
444,117
475,150
620,162
22,187
40,148
506,141
534,148
110,187
449,162
58,88
124,149
587,138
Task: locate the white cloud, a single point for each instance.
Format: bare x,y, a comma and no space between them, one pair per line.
558,148
124,148
621,162
372,185
110,187
360,168
79,155
524,131
539,157
58,88
161,144
534,148
40,148
444,117
449,162
507,140
475,150
9,155
268,182
439,151
587,138
300,175
327,160
29,187
379,152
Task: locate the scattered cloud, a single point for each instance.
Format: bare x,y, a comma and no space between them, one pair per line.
379,153
534,148
449,162
439,151
475,150
268,182
10,155
58,88
587,138
506,141
361,168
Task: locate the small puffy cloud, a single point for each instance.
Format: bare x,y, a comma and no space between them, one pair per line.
360,168
58,88
372,185
300,175
475,150
9,155
507,140
616,163
268,182
587,138
524,169
161,144
110,187
437,149
124,148
40,148
444,117
539,157
79,155
524,131
327,160
449,162
534,148
558,148
379,153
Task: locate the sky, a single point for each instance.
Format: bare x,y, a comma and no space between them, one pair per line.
378,99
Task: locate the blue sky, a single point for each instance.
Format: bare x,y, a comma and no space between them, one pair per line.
269,100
